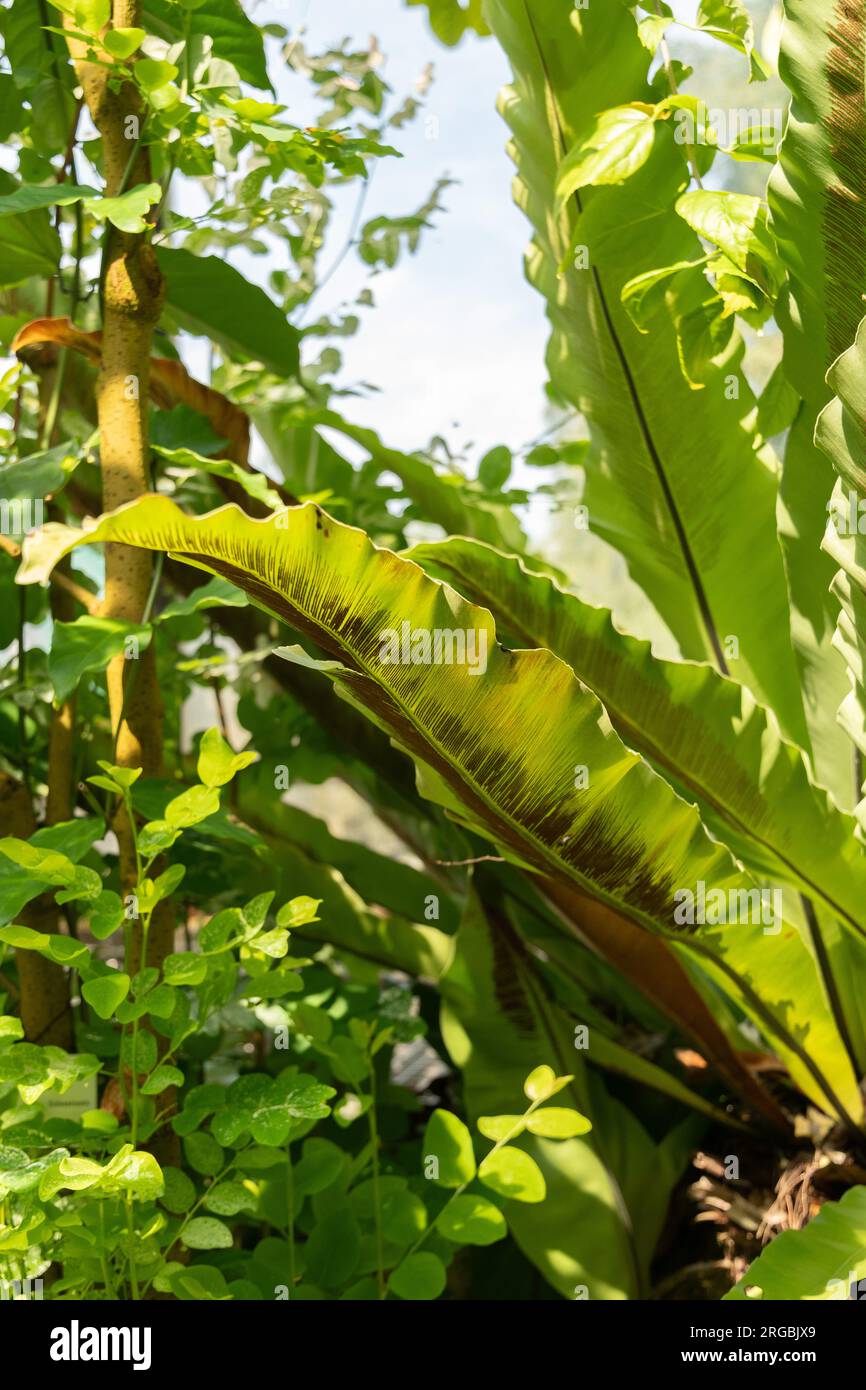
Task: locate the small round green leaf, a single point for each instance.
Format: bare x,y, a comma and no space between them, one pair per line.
106,914
540,1084
179,1194
333,1249
512,1173
185,968
161,1079
448,1141
203,1153
229,1198
106,992
497,1127
206,1233
404,1217
419,1277
192,807
153,72
217,762
558,1123
122,43
472,1220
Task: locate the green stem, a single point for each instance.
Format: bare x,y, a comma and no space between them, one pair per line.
458,1191
54,403
145,925
377,1209
106,1276
290,1224
195,1207
22,681
130,1228
74,300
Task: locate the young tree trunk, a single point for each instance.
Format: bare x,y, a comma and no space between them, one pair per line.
133,295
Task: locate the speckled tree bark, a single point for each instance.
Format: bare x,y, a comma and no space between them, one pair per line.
132,302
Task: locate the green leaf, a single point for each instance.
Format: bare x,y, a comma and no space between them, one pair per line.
737,224
138,1051
216,593
217,762
772,816
235,36
541,1084
129,210
498,1127
20,1173
698,729
512,1173
619,143
130,1173
777,404
644,294
253,483
841,436
38,474
45,865
818,316
229,1199
106,915
133,1174
651,30
557,1123
10,1029
595,1226
630,845
320,1165
23,938
206,1233
71,840
472,1220
730,22
643,494
125,777
300,912
269,1108
156,836
91,15
333,1249
185,968
419,1277
122,43
152,73
11,112
192,807
89,644
819,1262
29,247
203,1154
450,19
209,297
494,469
447,1139
152,891
27,197
161,1079
440,497
404,1217
179,1194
